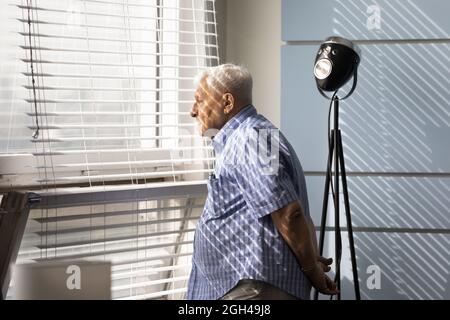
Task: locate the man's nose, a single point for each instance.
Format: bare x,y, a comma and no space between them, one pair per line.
194,110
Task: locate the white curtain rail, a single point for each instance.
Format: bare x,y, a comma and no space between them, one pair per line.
116,163
53,232
112,240
112,15
109,214
114,126
112,27
126,53
104,64
122,176
99,151
150,283
155,295
87,38
104,113
128,4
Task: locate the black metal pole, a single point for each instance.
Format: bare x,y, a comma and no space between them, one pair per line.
349,220
325,200
337,229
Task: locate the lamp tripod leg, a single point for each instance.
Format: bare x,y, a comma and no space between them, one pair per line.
325,201
337,226
348,218
336,153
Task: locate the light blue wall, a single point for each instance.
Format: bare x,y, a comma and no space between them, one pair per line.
396,135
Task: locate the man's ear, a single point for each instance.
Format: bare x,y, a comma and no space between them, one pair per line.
228,102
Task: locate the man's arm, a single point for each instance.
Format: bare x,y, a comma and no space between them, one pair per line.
295,228
324,262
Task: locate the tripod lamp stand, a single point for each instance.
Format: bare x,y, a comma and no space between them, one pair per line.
336,62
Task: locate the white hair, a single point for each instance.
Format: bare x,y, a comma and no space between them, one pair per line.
229,78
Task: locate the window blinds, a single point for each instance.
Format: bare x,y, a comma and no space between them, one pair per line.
146,233
109,112
113,87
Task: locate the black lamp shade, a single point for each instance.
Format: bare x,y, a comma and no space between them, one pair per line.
336,61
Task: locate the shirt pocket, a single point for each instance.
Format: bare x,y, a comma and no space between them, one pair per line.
224,198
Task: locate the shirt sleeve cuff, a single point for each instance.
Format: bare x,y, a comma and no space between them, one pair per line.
260,212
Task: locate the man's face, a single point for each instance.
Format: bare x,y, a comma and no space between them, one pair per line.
208,108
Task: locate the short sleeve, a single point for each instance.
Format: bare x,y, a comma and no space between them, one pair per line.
264,175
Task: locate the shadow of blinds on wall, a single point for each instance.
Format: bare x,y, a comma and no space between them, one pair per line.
110,85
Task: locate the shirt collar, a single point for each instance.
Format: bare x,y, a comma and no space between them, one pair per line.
220,139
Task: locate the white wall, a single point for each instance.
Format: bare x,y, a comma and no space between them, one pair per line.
252,37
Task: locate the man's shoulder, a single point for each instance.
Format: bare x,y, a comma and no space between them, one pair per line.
254,125
258,121
257,128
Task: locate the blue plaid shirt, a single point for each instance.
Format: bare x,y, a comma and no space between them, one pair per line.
235,237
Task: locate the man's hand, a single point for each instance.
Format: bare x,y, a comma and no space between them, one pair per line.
320,281
325,263
294,227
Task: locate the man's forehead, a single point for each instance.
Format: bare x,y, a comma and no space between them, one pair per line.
202,87
205,89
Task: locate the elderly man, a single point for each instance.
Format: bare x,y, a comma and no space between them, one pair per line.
255,239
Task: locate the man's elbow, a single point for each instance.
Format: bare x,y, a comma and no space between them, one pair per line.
289,214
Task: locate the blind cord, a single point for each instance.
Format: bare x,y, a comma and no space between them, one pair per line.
35,134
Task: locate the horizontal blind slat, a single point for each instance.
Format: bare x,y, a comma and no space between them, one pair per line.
108,64
131,4
111,15
126,176
149,283
133,150
113,125
62,218
87,38
111,239
180,55
112,226
129,261
131,163
112,252
105,113
150,270
112,27
156,294
113,138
